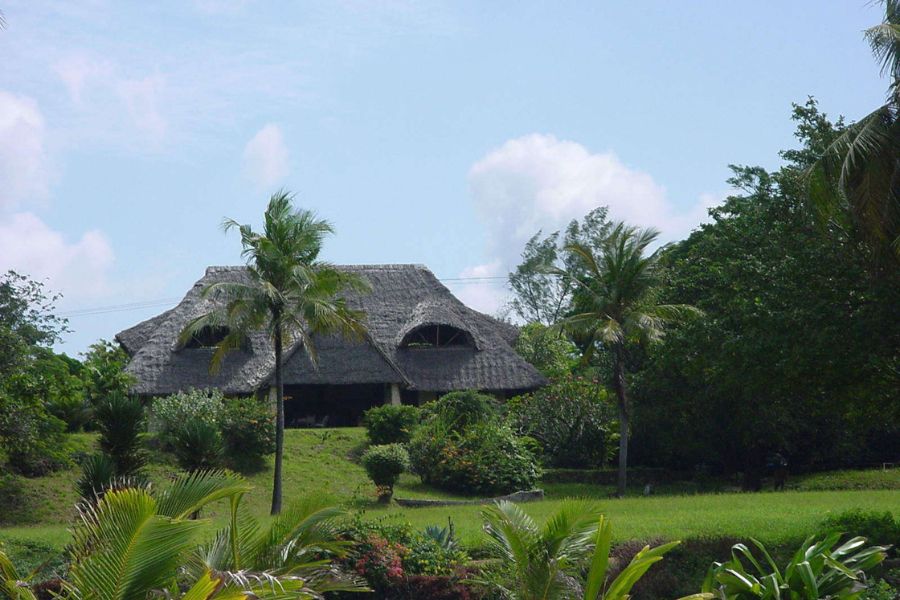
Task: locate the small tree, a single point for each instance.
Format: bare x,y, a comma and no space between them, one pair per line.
384,465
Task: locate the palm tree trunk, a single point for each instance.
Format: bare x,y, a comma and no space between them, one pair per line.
622,397
279,421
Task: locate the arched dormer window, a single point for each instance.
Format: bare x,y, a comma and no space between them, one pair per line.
208,337
436,336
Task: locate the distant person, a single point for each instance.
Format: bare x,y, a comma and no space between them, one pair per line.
779,470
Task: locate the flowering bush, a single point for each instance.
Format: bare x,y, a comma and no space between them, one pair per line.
380,561
388,553
485,458
169,413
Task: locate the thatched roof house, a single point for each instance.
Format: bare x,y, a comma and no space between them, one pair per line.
421,342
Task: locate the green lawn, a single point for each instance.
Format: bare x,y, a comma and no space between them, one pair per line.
319,461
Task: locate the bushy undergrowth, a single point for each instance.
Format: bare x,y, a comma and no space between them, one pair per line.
201,428
879,528
390,424
572,419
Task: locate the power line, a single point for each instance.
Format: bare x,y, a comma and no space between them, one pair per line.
114,308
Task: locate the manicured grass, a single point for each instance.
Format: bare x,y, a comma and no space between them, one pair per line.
320,461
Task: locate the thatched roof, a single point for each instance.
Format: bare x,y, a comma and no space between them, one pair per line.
403,298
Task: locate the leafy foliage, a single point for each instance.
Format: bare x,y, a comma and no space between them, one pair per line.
170,413
538,296
198,445
384,464
390,424
797,353
880,528
818,570
485,458
544,562
547,349
104,371
120,421
457,410
573,419
248,429
853,182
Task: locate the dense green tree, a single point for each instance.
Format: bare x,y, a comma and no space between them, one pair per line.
104,371
31,376
615,304
290,294
553,354
798,353
538,295
855,182
27,321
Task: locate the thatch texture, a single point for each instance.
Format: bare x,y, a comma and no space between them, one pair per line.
403,298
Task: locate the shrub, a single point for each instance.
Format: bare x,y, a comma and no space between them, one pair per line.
197,445
32,439
458,410
486,458
878,528
97,474
572,420
169,413
384,464
390,424
396,559
248,429
120,420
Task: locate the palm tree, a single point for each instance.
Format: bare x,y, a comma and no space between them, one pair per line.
858,176
289,292
614,304
546,562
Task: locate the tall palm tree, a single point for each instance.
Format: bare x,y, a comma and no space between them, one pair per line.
546,562
858,176
290,293
614,304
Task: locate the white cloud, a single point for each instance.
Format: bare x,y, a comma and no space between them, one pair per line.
24,172
266,157
538,182
79,269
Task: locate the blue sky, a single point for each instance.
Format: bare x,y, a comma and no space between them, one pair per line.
443,133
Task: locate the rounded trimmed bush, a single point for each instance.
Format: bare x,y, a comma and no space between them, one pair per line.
384,464
390,424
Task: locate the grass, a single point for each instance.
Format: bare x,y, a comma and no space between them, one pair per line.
318,461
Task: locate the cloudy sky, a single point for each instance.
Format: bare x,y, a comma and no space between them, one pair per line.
443,133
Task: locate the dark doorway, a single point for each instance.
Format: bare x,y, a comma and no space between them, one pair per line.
329,405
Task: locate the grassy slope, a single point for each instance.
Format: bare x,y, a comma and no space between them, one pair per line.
317,461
